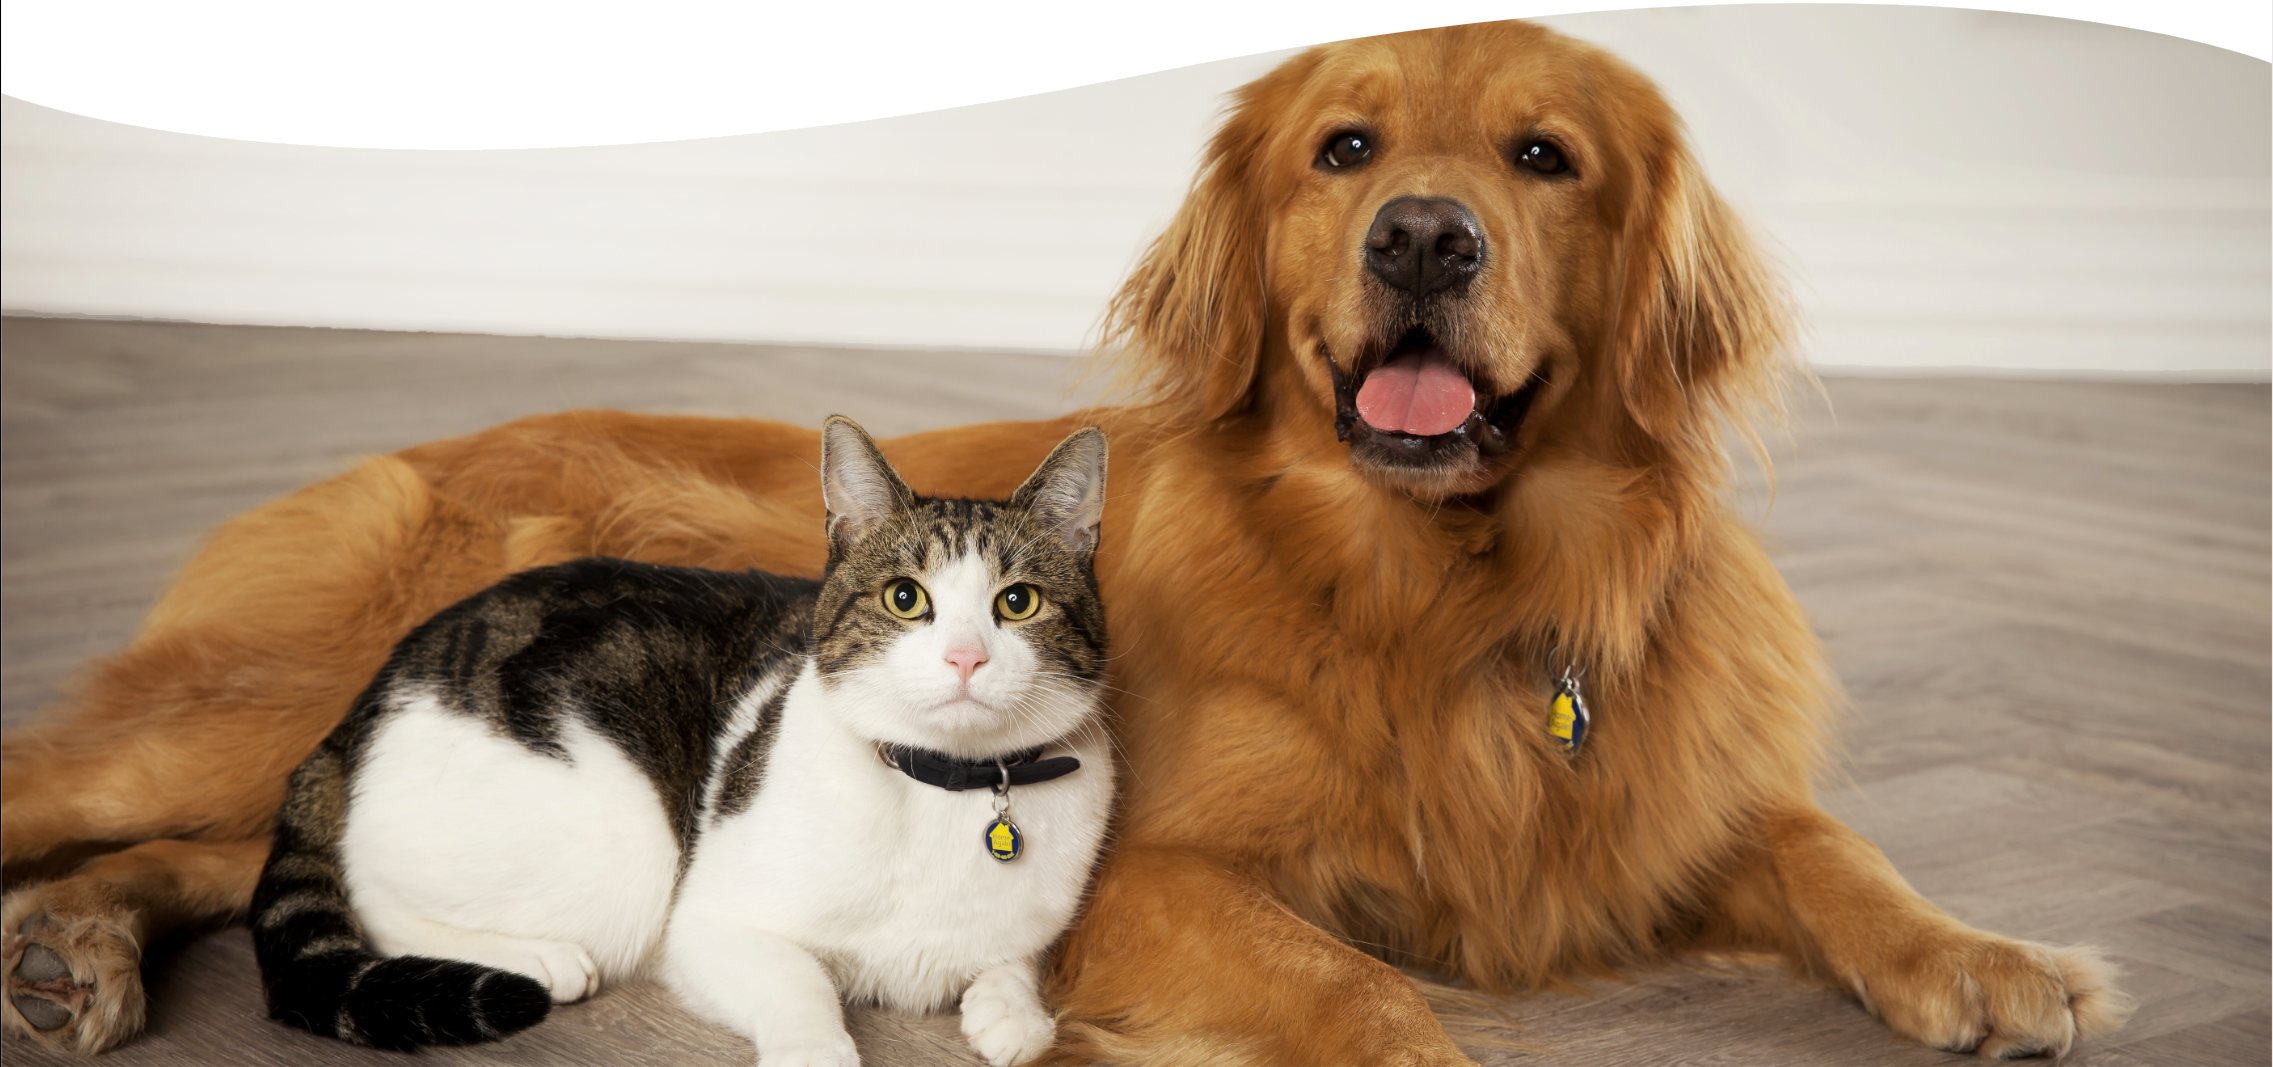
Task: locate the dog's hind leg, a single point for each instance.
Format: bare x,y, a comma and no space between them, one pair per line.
69,795
248,661
72,961
163,743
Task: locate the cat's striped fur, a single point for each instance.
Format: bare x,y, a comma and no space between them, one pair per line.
592,674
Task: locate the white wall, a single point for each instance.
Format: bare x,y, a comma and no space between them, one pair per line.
1962,188
1951,188
1002,225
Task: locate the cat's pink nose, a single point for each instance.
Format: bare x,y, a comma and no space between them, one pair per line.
966,660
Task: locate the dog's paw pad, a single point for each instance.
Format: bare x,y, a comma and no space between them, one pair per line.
39,1012
41,989
45,971
41,965
72,984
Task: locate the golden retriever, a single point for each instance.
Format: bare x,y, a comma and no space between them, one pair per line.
1433,371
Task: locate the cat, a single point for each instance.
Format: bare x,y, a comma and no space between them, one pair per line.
772,793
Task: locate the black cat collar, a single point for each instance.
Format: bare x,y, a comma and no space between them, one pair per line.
955,774
1002,838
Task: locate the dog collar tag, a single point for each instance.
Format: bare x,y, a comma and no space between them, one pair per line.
1567,718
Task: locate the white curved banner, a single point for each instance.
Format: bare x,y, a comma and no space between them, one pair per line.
468,74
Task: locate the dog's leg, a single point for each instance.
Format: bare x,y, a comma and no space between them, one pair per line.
1828,898
35,798
1179,958
246,663
73,790
72,962
144,752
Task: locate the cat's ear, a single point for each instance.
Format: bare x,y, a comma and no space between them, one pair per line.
858,488
1067,492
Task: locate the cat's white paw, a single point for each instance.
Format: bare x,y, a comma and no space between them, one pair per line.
565,969
837,1051
1003,1018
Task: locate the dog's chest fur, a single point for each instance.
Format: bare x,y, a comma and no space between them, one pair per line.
1388,689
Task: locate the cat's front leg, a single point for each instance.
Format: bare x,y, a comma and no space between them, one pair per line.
1003,1017
761,985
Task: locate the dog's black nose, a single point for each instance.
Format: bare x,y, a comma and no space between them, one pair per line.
1424,245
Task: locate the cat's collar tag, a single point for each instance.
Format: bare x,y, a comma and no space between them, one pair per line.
1567,718
1004,841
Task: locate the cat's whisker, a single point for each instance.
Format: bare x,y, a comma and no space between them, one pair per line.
1098,683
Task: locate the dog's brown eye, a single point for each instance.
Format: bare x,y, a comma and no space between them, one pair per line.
1539,156
1347,150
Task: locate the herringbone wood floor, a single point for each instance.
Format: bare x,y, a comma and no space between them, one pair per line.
2049,602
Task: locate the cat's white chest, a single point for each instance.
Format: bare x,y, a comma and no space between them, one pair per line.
889,881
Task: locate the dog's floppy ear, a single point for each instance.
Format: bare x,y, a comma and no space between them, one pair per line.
1188,321
1706,323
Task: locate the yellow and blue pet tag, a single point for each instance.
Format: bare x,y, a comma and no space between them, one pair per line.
1567,718
1003,839
1004,842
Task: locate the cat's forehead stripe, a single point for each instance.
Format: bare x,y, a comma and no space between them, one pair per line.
943,531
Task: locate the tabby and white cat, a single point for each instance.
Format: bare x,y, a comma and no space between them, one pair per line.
766,791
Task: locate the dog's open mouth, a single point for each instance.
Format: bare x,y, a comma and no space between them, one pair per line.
1415,407
1419,393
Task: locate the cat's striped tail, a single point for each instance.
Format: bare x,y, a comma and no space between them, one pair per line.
318,968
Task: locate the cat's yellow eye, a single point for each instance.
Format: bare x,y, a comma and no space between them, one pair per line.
1018,602
904,598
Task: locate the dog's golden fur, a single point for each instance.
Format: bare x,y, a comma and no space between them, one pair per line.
1334,666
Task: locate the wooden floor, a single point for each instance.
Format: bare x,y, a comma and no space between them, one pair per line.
2049,602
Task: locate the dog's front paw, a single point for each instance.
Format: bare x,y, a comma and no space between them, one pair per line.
73,982
1003,1017
2000,998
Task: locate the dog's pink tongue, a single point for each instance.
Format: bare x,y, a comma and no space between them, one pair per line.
1422,394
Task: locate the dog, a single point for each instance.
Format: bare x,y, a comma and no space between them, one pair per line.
1433,630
